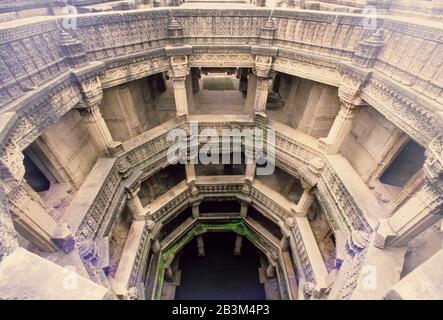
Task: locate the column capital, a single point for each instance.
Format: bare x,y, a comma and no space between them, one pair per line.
178,60
90,86
89,112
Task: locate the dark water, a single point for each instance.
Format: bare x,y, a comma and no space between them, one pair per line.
220,274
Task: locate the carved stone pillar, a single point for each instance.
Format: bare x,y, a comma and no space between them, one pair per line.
195,209
305,202
340,128
178,60
200,246
126,104
261,94
244,209
97,127
135,206
250,170
181,101
237,245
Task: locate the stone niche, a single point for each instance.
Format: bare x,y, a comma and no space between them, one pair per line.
306,105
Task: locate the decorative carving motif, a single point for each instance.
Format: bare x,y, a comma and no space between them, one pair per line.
132,70
221,60
263,65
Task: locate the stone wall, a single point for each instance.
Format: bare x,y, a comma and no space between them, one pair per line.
73,147
370,140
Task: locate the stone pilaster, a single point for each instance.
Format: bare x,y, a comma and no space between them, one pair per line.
195,207
126,104
340,128
250,170
244,205
261,95
200,246
178,59
181,102
237,245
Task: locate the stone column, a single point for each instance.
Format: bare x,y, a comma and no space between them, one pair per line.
340,128
126,104
178,59
250,170
261,94
305,202
181,100
195,209
244,209
97,127
238,245
417,214
200,246
135,206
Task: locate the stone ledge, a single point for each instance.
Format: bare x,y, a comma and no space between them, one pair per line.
24,275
